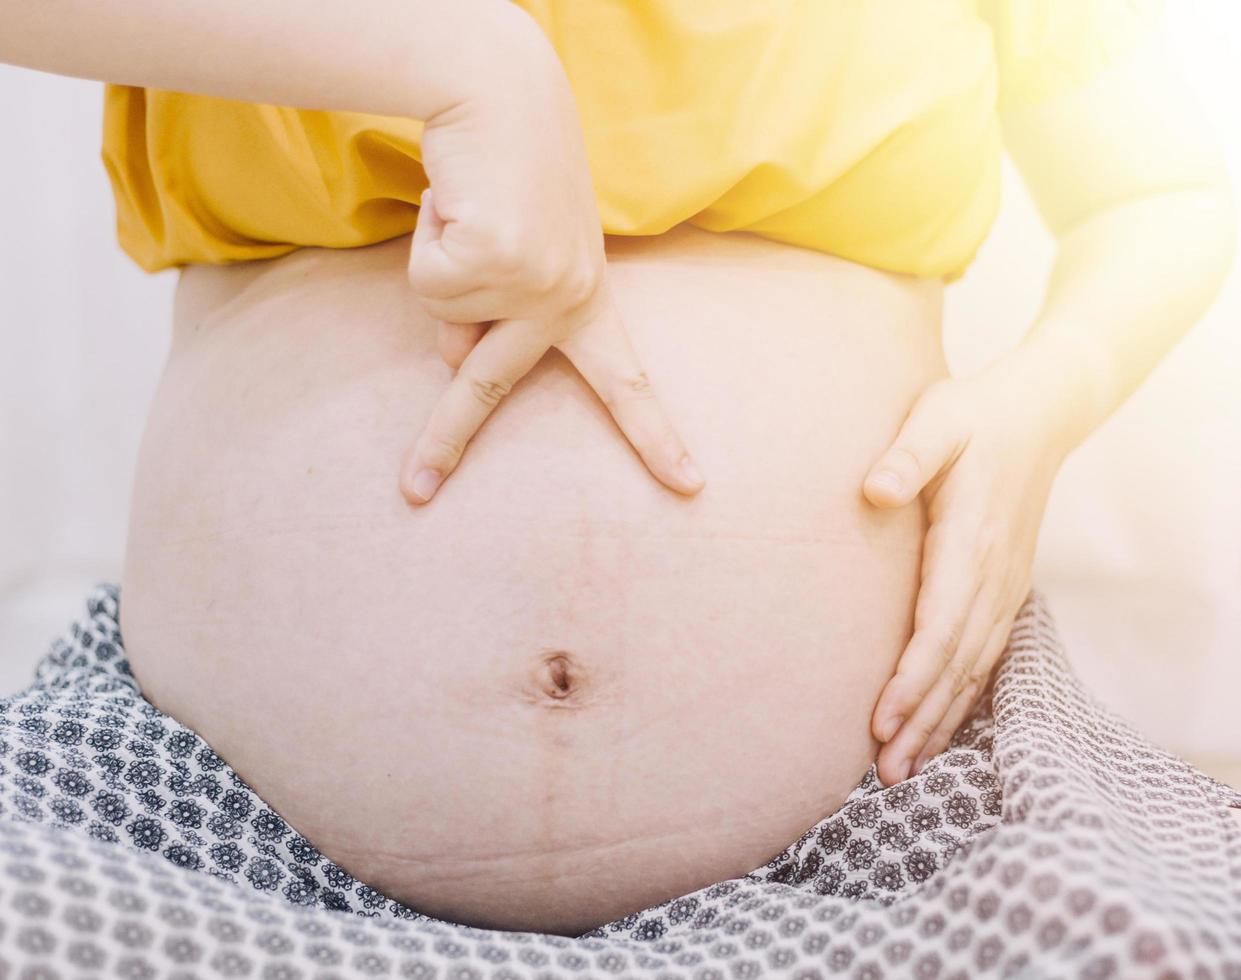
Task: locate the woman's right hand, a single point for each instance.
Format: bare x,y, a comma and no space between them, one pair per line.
511,258
508,255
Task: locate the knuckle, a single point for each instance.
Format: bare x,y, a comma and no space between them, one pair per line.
579,284
639,383
629,387
487,391
903,703
541,277
946,643
441,452
905,456
667,450
976,678
505,251
957,675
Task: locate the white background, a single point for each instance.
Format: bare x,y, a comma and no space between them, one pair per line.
1141,550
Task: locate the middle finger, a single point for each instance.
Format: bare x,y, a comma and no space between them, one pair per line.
502,357
603,355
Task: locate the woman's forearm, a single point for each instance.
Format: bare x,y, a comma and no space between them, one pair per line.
390,57
1129,281
983,451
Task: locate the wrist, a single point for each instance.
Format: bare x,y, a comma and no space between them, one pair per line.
498,50
1064,380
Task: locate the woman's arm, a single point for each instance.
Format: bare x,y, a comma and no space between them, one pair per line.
1131,181
1128,177
390,57
509,252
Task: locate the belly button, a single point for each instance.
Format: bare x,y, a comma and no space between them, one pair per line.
558,678
561,681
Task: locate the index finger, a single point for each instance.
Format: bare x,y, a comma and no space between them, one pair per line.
501,358
602,353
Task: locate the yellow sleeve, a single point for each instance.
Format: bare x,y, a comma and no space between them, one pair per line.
1045,47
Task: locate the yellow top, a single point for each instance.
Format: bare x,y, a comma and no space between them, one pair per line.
864,128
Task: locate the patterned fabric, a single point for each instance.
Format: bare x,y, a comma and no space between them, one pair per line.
1049,840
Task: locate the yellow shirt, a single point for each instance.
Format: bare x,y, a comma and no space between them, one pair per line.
864,128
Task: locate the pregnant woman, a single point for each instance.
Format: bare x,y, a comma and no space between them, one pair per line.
403,606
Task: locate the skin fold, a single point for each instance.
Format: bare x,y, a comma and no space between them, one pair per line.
564,692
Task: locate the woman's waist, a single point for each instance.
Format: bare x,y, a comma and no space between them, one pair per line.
676,263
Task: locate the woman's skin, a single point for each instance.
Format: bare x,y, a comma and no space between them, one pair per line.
1123,169
1128,176
479,72
561,693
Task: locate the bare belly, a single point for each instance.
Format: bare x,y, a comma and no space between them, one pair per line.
559,693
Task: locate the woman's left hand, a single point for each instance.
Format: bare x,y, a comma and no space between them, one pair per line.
984,451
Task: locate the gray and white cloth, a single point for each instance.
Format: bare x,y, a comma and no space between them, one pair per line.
1049,840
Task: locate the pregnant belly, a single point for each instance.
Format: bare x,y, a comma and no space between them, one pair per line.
559,693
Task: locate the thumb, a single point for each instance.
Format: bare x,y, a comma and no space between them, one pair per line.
431,272
454,340
926,444
429,226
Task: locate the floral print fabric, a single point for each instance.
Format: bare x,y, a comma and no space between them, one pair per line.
1049,840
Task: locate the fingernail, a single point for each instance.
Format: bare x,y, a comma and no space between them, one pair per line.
917,767
426,482
890,728
886,480
905,771
691,473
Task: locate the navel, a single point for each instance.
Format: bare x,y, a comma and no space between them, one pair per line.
558,677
